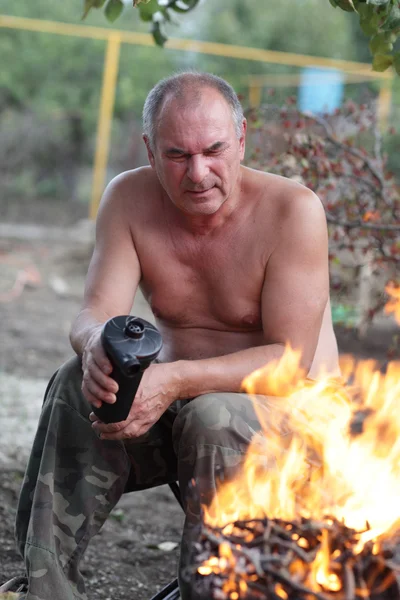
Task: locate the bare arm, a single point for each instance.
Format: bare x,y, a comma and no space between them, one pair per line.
111,283
114,270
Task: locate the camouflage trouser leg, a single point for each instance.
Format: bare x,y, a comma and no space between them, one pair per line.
211,435
73,481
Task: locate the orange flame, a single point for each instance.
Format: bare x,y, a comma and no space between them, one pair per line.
327,449
393,305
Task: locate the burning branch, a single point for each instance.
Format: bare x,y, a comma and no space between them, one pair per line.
305,560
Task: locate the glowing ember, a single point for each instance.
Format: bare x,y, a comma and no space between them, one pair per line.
326,473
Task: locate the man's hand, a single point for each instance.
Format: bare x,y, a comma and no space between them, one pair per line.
97,386
158,388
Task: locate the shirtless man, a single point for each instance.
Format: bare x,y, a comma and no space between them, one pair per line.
234,264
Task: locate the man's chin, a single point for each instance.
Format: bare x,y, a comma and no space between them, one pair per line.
203,208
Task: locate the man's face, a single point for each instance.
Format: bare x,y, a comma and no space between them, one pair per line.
197,153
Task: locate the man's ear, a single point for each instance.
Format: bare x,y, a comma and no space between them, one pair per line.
242,140
149,150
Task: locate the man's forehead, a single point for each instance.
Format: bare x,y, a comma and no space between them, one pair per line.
209,136
201,124
193,104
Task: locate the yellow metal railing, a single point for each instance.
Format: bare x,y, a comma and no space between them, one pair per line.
354,71
105,119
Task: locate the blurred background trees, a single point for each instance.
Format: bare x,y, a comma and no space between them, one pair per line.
379,20
50,87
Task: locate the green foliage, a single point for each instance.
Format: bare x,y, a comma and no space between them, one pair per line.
380,21
113,9
156,12
49,102
92,4
63,75
161,13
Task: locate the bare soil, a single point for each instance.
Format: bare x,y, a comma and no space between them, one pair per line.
124,561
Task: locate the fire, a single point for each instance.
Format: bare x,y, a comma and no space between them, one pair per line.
393,305
329,452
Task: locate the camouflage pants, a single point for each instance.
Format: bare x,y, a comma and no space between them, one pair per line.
73,479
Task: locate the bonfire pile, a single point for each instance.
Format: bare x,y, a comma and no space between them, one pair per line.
313,513
308,560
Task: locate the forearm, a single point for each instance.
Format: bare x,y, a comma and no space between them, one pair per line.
223,373
86,323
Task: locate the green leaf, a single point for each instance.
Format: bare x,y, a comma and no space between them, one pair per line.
366,11
381,43
158,35
370,20
166,16
382,62
113,9
346,5
146,11
89,4
368,27
396,62
333,3
393,20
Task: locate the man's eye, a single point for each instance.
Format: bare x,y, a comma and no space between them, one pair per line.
213,152
178,157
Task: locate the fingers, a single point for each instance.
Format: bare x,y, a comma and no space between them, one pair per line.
118,431
97,386
100,360
101,427
94,393
101,376
94,401
93,372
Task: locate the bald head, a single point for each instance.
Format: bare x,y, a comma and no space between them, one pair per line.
186,89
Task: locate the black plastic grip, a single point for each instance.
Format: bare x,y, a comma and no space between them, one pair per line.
131,345
113,413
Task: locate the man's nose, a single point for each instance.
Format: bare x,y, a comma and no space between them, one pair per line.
197,168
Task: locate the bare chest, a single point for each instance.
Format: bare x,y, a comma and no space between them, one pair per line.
206,284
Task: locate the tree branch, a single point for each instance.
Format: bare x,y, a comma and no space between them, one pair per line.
361,224
331,137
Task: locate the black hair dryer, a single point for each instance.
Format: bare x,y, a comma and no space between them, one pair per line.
131,345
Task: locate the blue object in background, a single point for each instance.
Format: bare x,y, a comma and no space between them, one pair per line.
321,90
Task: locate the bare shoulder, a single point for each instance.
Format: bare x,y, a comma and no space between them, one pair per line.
131,186
285,202
128,200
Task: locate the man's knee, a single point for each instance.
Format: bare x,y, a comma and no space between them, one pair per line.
66,385
221,419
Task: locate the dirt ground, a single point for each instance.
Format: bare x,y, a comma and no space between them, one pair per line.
125,559
41,284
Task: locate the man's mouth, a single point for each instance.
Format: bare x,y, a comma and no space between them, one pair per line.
200,192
